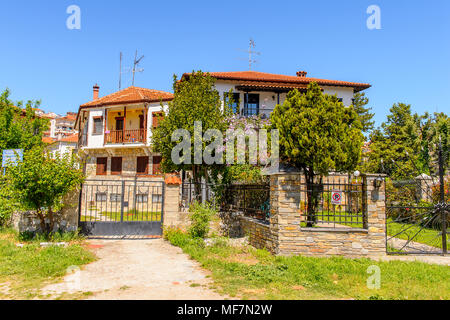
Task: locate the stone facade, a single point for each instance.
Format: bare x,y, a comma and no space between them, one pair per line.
284,235
68,217
129,162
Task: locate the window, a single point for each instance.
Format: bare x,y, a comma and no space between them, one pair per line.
102,166
340,99
142,198
157,118
235,101
157,165
251,104
116,166
98,125
142,165
101,197
157,198
115,197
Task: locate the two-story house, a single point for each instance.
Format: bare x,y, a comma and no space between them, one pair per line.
115,133
257,93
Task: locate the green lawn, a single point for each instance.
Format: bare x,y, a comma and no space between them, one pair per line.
247,273
130,215
24,271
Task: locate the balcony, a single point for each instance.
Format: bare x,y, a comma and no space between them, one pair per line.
126,136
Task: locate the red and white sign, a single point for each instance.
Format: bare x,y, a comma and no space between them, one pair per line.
336,197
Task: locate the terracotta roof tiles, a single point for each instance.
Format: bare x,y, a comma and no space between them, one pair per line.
130,95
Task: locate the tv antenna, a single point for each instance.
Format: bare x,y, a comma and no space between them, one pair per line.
136,63
121,71
251,53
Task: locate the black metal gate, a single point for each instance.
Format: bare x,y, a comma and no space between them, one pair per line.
121,207
417,213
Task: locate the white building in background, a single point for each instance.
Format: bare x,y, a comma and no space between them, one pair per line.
64,146
257,93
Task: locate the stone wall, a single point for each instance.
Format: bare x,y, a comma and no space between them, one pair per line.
67,218
129,162
284,235
260,235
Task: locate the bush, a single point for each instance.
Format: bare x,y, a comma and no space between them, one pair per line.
176,236
200,216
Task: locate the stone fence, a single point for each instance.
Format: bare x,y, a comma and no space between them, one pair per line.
67,218
285,235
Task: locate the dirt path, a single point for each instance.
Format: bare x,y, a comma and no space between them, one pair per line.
138,270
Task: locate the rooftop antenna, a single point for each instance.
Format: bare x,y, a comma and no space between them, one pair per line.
251,54
121,71
136,63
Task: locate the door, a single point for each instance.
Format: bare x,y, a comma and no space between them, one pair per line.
119,130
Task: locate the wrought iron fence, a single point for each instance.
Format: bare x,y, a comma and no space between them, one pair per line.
200,192
333,202
253,200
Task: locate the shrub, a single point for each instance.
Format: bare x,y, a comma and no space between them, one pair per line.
176,236
200,216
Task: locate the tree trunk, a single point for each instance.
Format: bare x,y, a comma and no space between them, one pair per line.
313,192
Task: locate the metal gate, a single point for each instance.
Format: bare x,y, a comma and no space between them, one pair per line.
121,207
417,213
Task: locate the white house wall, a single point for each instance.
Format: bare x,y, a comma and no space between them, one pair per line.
268,100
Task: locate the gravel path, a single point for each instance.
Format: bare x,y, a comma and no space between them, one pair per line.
138,270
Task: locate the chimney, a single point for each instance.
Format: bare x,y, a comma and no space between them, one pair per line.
96,90
302,74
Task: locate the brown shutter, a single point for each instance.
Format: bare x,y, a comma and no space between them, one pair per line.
157,165
102,166
142,165
157,118
116,166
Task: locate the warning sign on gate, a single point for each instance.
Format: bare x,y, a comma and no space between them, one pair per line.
336,197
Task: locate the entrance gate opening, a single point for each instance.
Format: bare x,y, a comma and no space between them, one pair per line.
121,207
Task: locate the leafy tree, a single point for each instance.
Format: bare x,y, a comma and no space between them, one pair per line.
317,134
41,181
195,100
20,128
394,146
360,102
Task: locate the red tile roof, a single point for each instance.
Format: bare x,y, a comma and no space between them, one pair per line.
71,138
48,140
270,78
130,95
172,179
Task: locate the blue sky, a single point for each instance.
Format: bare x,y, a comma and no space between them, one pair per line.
406,61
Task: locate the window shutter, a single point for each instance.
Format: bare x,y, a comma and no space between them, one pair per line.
102,166
157,118
157,164
98,125
142,165
116,165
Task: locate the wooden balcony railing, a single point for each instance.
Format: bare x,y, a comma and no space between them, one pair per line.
127,136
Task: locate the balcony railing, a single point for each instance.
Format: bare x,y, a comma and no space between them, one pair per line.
126,136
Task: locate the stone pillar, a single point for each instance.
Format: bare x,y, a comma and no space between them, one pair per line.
171,216
375,196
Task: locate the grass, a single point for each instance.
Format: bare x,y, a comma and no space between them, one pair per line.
24,271
247,273
426,236
130,215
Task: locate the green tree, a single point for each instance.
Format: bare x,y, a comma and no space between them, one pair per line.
19,126
317,134
41,181
195,100
360,101
394,146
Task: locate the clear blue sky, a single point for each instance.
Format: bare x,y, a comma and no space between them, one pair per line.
407,60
